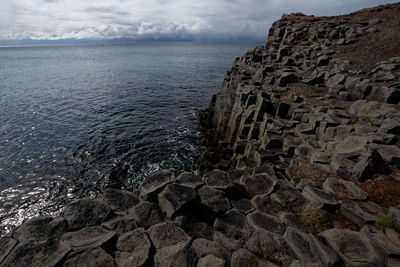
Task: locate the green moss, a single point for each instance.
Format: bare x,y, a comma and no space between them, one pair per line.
364,119
383,222
301,172
318,219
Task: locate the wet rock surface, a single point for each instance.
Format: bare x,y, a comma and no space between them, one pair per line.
297,128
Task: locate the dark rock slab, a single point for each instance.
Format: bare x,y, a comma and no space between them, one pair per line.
155,184
380,240
6,246
146,214
120,200
134,248
89,257
308,249
262,221
214,199
195,226
174,197
47,253
258,184
266,204
210,261
342,189
91,237
393,236
233,224
287,195
315,195
229,243
269,246
203,247
86,212
121,224
361,212
190,180
353,248
395,214
217,179
243,205
290,219
243,257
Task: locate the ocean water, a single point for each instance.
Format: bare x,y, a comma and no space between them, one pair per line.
74,118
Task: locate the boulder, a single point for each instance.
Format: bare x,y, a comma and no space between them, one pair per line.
6,246
89,257
217,179
121,224
134,248
243,205
342,189
269,246
336,80
91,237
155,184
322,61
315,195
380,240
203,247
258,184
190,180
395,214
47,253
353,248
262,221
174,197
361,212
309,250
86,212
290,219
214,199
146,214
264,203
120,200
243,257
233,224
210,261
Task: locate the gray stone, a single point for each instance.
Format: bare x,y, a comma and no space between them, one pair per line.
309,250
47,253
86,212
229,243
146,214
89,258
336,80
269,246
155,184
6,246
210,261
263,221
380,240
243,205
390,154
393,236
217,179
290,219
214,199
120,200
244,258
202,247
189,179
134,248
323,61
121,224
258,184
287,195
395,214
90,237
234,225
351,144
342,189
352,248
286,78
361,212
319,196
174,197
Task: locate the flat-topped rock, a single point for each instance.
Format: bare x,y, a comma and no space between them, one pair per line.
174,197
120,200
121,224
86,212
89,257
308,249
189,179
342,189
318,196
210,261
360,212
203,247
269,246
258,184
259,220
47,253
233,224
146,214
243,257
266,204
134,248
214,199
90,237
353,248
217,179
6,246
155,184
380,240
243,205
395,215
290,219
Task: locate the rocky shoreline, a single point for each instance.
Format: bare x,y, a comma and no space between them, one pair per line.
301,167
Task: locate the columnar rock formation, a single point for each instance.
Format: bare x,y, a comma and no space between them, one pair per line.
301,168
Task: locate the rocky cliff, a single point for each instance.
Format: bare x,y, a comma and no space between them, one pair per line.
301,169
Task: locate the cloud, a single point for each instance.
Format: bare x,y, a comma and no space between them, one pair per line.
141,19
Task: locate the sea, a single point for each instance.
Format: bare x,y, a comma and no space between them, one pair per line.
75,118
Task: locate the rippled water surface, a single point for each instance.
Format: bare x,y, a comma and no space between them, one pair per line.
73,118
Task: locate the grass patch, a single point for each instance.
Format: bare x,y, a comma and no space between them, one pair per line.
318,220
301,172
383,222
364,118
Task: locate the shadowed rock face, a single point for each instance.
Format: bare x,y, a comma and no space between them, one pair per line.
295,128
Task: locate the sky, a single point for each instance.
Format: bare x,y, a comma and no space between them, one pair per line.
157,19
